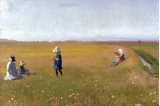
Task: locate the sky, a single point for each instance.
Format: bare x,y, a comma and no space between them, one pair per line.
59,20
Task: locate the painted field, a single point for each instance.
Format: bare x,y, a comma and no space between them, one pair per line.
89,78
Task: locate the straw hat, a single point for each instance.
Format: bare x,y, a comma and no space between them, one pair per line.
120,51
56,50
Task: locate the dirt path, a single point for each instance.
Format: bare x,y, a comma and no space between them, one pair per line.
146,64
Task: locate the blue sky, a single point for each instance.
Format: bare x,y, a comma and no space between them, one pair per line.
53,20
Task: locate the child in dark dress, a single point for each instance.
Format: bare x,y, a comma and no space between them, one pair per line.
22,70
57,65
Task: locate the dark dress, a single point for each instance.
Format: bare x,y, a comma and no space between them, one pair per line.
22,70
58,62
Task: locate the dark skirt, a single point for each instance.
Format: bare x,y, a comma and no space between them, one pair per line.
57,65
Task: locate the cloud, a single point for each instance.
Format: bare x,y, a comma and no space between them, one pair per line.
4,7
68,5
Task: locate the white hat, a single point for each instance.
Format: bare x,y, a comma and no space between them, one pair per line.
56,50
120,51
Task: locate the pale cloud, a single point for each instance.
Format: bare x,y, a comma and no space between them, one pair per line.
3,7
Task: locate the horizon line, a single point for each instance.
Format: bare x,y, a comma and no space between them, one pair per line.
135,40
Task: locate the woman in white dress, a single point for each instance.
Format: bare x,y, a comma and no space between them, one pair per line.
11,73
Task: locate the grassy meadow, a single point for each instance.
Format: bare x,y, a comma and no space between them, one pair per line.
88,80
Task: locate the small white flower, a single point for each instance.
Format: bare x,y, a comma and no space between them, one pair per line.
12,98
154,101
138,104
150,94
61,97
112,96
42,91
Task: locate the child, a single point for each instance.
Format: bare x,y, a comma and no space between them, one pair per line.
57,61
22,69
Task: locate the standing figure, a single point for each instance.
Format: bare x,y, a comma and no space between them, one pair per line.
11,73
57,63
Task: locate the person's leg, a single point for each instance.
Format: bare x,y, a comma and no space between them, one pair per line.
57,73
61,72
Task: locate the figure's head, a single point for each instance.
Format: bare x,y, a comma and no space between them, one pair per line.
120,50
57,50
21,63
12,58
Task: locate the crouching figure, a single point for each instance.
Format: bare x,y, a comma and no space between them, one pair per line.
119,56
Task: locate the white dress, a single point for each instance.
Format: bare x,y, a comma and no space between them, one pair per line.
11,73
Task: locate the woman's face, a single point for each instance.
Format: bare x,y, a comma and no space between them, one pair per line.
10,59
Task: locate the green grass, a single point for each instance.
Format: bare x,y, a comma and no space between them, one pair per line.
151,48
151,60
150,52
89,79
